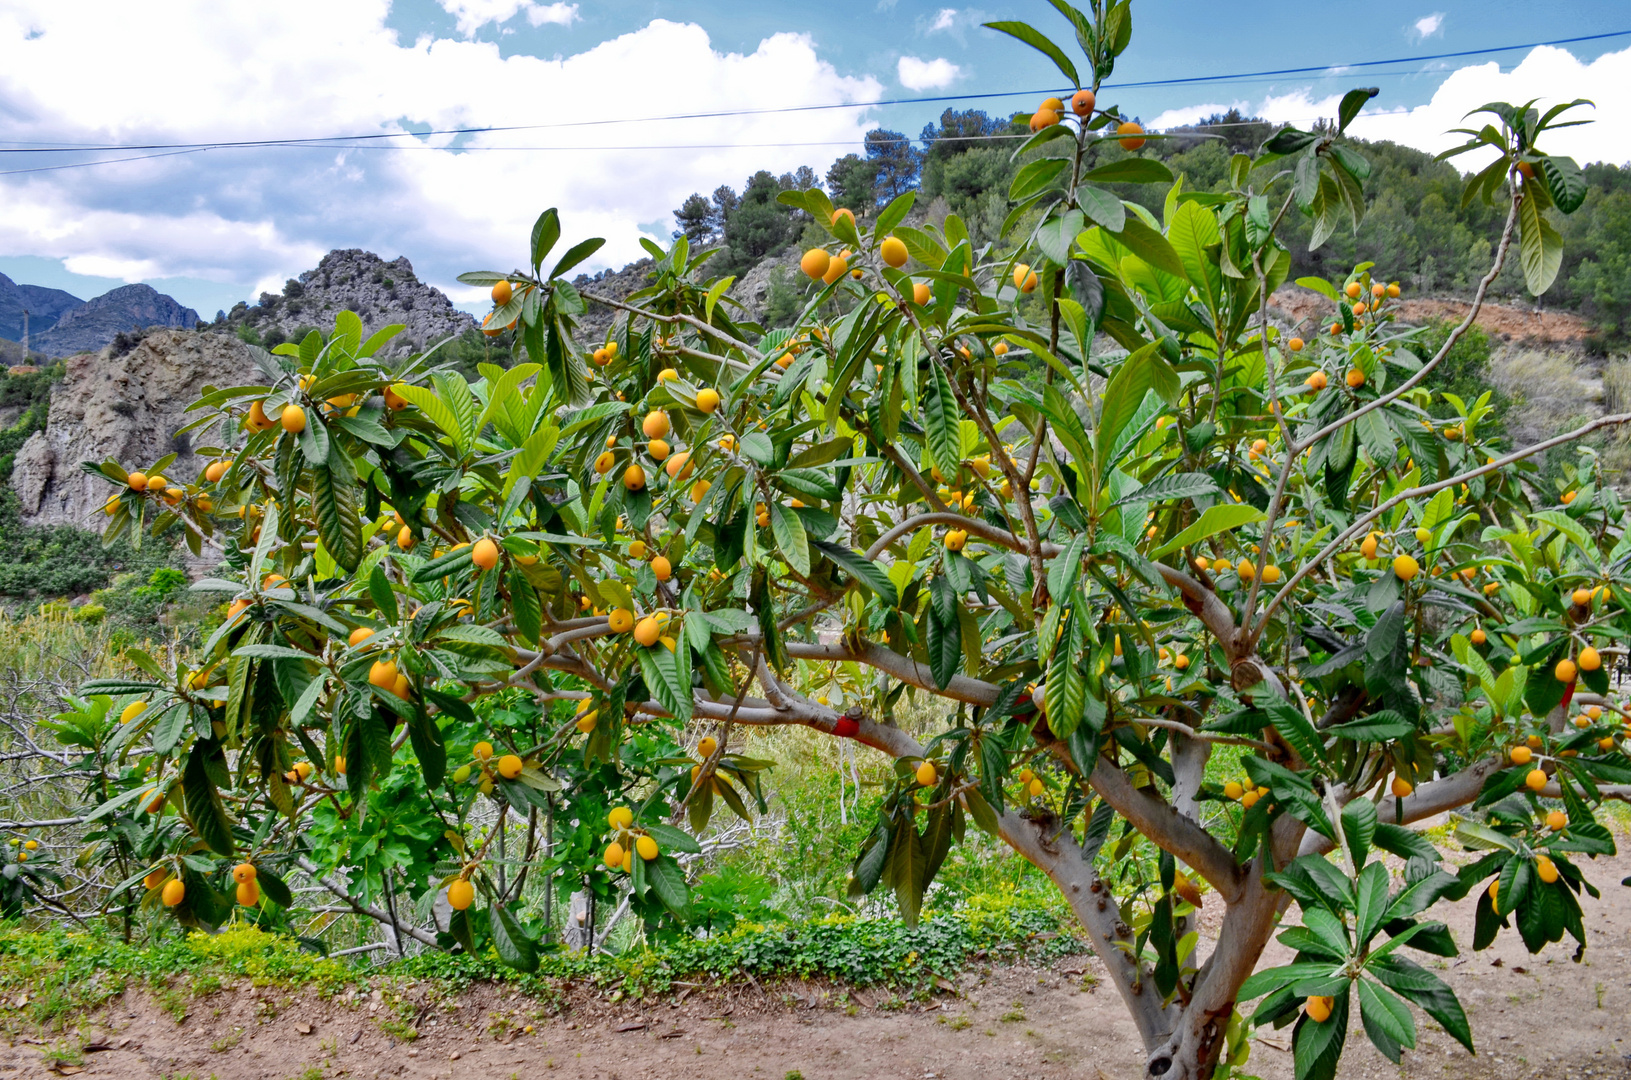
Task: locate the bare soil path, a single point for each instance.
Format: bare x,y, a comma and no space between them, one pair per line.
1532,1017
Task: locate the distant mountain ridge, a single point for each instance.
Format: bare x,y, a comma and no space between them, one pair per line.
61,324
44,307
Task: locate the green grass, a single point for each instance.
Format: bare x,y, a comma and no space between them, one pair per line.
68,972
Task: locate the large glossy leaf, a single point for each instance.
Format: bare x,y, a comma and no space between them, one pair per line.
335,498
510,941
1215,520
1539,245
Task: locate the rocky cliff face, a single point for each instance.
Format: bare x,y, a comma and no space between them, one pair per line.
127,408
380,292
95,323
44,307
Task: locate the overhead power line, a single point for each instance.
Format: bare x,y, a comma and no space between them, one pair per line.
375,140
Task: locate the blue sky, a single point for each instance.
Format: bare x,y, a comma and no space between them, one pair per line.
214,227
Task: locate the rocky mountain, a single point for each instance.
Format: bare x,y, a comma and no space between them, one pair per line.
95,323
380,292
126,407
44,307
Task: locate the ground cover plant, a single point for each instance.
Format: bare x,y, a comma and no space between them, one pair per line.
457,606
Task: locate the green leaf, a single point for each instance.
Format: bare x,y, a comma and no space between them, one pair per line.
1352,102
1194,230
1539,245
866,572
510,941
381,593
1139,374
1102,206
894,213
1038,41
672,839
1132,170
575,255
334,502
1387,1019
545,231
940,421
1035,177
1150,246
790,538
1566,181
1384,726
668,882
1217,519
204,806
1425,990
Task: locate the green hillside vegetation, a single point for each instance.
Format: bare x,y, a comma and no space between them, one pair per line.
1416,223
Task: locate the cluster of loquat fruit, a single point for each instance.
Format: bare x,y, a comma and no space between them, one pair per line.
620,853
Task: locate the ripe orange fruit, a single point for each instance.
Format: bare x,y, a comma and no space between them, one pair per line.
645,847
1130,132
382,673
1406,567
258,420
1024,278
460,894
243,872
1233,790
648,631
1546,869
1352,290
956,539
699,490
614,855
1271,574
1316,382
837,268
926,774
1557,821
485,553
893,251
1478,637
1319,1009
394,401
815,263
502,293
1295,344
249,893
359,635
662,568
1368,547
707,400
1568,497
1521,755
621,620
174,893
1393,291
920,293
658,449
1250,799
404,538
1359,308
1043,118
1402,787
293,419
656,424
509,766
1535,780
1590,660
1082,103
1356,378
216,470
604,463
1565,671
634,478
679,466
1000,349
842,212
156,483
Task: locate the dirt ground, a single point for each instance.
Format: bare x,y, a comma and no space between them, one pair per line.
1532,1017
1510,322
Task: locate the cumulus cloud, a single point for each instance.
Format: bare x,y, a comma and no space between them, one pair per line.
944,19
257,216
1429,25
1551,74
933,74
472,15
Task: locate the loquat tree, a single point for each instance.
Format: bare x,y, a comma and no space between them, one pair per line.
1215,539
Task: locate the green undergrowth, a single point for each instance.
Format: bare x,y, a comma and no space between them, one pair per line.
64,972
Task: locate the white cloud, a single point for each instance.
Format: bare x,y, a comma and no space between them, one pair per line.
256,72
944,19
1550,74
472,15
933,74
1428,25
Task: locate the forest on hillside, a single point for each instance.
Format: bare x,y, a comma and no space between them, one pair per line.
1417,229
